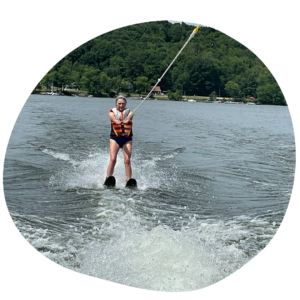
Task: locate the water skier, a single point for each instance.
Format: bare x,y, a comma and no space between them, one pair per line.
120,136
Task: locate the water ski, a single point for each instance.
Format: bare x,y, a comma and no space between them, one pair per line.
131,183
110,181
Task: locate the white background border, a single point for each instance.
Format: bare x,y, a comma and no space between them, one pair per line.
35,35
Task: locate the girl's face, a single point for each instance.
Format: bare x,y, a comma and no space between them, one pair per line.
121,104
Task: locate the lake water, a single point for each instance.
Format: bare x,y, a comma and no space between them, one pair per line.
214,183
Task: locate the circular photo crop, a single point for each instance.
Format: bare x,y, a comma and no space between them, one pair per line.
159,156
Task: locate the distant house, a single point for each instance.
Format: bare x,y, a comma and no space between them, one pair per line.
156,91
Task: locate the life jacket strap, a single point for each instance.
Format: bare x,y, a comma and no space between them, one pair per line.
122,129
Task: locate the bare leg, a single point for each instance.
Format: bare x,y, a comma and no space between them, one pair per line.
127,149
113,151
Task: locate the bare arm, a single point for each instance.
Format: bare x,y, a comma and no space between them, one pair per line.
129,117
113,118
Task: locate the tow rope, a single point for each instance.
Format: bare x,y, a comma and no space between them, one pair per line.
159,79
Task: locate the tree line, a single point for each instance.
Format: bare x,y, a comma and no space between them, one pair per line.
132,58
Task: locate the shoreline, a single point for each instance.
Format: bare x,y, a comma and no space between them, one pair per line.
191,99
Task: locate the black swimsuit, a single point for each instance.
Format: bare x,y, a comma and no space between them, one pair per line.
121,140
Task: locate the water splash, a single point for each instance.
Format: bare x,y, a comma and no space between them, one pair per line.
90,172
161,258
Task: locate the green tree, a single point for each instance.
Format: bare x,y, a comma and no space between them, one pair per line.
213,96
249,83
141,84
65,75
124,85
175,96
104,82
115,84
200,71
268,91
232,89
270,94
134,65
90,80
49,79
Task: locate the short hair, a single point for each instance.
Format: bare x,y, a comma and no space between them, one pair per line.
121,97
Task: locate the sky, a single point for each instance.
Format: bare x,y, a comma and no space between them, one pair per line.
194,24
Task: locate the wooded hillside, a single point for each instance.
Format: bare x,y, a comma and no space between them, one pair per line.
132,58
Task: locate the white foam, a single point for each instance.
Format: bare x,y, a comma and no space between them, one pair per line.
122,247
145,253
162,258
58,155
90,172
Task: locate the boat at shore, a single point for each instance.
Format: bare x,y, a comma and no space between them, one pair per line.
231,102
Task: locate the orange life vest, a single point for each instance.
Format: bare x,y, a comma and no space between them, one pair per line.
121,129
